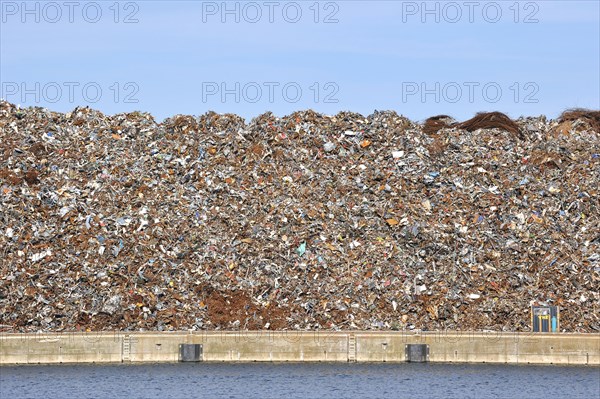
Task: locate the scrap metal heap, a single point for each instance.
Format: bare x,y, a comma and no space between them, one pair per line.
302,222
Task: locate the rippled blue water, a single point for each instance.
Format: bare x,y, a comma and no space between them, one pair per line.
299,380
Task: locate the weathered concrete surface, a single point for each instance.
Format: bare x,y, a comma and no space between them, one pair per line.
248,346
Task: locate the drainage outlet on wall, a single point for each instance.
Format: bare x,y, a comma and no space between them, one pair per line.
416,353
190,352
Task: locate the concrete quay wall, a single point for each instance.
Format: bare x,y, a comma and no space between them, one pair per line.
299,346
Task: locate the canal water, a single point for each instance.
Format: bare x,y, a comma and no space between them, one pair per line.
299,380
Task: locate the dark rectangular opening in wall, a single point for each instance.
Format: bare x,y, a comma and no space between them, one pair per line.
190,352
417,353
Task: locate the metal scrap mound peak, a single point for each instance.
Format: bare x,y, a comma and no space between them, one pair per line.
300,222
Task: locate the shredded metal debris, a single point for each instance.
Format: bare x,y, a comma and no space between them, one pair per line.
302,222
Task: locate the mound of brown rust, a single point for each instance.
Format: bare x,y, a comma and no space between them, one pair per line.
306,221
578,118
483,120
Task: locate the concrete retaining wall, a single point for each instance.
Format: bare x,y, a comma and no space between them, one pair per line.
296,346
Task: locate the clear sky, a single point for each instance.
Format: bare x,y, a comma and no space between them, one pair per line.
418,58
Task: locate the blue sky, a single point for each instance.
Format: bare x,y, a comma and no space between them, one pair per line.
418,58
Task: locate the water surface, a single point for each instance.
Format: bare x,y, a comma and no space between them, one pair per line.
299,380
